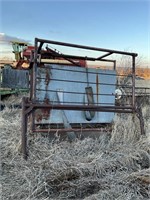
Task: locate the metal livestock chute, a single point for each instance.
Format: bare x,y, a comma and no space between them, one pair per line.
67,95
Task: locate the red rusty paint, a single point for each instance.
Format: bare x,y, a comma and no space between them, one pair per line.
42,113
46,111
38,115
47,78
27,51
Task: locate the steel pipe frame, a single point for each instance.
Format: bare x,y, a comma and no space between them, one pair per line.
28,107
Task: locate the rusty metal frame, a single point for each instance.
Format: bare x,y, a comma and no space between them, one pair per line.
29,105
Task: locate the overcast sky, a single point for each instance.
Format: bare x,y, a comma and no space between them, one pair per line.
121,25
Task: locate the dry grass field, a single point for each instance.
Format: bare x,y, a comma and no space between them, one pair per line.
115,167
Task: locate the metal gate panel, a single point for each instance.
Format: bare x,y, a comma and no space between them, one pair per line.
69,83
68,93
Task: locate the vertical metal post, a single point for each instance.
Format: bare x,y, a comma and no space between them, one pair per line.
133,82
140,117
24,130
34,70
31,83
33,120
115,65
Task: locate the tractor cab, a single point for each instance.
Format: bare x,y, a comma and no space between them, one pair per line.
22,54
18,48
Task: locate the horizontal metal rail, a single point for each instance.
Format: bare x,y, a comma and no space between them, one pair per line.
77,93
81,71
42,41
81,107
79,103
71,81
54,130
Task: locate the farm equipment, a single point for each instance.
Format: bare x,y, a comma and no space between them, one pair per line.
15,75
68,96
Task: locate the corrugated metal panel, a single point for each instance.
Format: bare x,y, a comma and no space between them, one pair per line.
12,78
59,79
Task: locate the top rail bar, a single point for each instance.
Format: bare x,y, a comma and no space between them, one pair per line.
85,47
